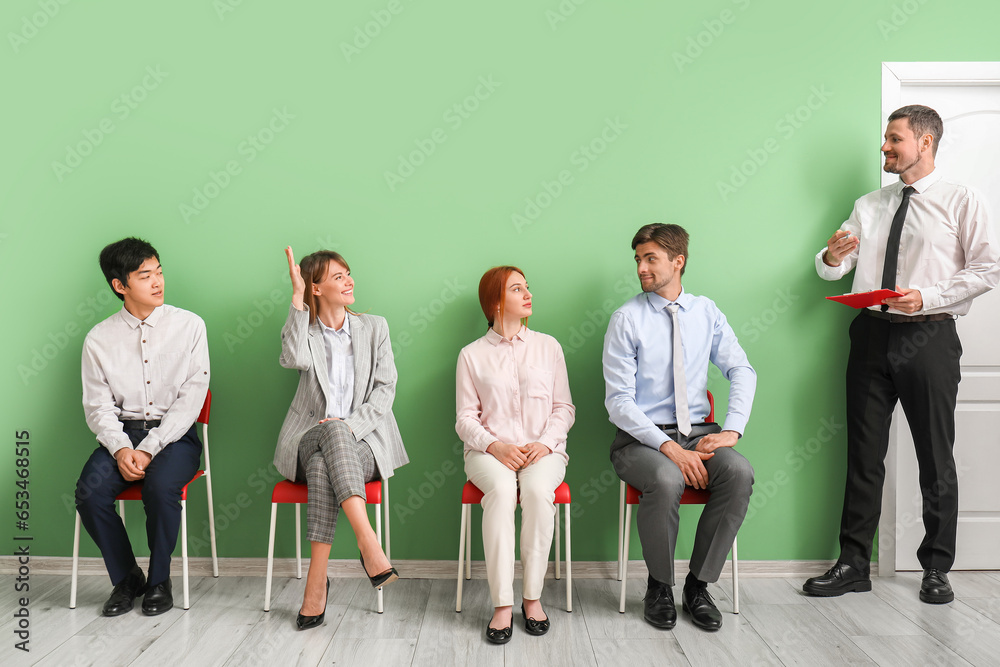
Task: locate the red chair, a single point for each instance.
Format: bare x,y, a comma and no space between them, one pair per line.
471,495
629,496
297,493
134,492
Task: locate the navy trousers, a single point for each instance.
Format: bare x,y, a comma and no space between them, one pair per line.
166,475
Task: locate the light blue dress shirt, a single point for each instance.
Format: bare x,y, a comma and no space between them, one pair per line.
638,365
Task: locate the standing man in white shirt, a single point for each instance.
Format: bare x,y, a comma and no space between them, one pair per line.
145,377
931,241
656,354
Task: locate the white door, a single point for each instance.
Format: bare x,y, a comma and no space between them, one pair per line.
967,95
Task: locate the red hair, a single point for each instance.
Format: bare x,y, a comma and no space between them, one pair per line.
492,287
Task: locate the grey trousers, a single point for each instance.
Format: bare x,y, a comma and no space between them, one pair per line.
335,467
730,479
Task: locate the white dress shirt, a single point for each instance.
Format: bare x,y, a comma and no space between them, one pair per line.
149,369
947,250
339,368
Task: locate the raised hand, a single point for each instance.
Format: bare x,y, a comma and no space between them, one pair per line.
298,284
840,245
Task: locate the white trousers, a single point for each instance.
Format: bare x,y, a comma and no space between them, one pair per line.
499,484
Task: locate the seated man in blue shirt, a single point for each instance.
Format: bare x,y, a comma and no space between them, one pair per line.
660,407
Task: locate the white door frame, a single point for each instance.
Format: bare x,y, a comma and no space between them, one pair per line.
894,76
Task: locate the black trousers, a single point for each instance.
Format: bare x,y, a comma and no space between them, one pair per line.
916,364
166,475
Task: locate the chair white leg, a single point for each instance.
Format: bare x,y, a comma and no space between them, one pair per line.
736,581
270,557
468,544
569,566
461,557
184,553
76,563
378,536
621,526
385,505
121,510
625,536
298,541
211,525
557,543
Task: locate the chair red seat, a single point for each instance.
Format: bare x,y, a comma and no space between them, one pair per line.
134,492
691,496
472,495
298,493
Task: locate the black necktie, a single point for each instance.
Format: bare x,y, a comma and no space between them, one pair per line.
892,246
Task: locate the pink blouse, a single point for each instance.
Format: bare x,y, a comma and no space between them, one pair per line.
515,391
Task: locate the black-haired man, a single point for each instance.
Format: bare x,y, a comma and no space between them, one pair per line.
931,241
145,377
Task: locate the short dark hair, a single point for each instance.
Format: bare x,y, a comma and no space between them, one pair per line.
923,120
121,258
672,238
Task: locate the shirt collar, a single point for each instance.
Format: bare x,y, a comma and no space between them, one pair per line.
134,321
657,302
346,328
923,184
495,339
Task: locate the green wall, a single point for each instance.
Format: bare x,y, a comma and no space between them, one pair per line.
536,133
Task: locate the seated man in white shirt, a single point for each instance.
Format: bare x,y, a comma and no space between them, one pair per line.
145,377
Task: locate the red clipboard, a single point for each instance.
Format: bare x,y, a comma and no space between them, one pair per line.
865,299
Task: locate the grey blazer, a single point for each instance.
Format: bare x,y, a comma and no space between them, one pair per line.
371,416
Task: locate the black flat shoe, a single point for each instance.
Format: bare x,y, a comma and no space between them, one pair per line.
159,599
839,579
382,578
306,622
125,593
935,587
533,627
499,635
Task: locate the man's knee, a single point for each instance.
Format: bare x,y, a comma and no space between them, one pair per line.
664,481
159,492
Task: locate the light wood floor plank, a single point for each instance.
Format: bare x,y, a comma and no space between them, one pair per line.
639,652
600,599
99,651
974,585
736,643
800,635
566,643
373,651
405,606
772,591
448,638
988,607
908,651
862,614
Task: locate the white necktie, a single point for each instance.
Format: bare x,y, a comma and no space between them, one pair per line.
680,383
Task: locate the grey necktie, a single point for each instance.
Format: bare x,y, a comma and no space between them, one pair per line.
680,382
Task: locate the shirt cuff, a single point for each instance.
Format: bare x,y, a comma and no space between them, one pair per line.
738,425
151,445
825,271
117,444
931,298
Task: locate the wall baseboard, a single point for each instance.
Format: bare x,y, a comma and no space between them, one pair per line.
410,569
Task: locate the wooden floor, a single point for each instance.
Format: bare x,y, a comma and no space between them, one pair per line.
226,625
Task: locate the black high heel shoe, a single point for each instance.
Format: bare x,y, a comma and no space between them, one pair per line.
306,622
382,578
533,627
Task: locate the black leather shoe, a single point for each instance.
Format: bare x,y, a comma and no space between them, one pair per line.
125,593
533,627
697,601
382,578
658,606
935,587
306,622
499,635
158,599
839,579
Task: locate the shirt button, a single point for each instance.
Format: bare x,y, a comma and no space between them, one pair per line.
145,361
147,381
144,341
147,414
150,402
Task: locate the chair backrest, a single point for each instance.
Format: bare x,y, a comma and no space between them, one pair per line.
206,410
711,408
207,407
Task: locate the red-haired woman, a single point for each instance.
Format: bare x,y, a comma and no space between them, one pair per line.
340,431
514,412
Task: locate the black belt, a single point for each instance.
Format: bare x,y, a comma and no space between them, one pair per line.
673,427
909,319
139,424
